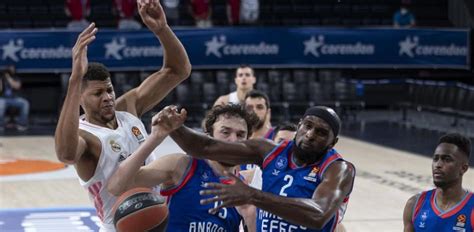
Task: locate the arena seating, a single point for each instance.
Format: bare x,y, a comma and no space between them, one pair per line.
348,13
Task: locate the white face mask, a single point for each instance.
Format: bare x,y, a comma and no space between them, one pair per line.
403,10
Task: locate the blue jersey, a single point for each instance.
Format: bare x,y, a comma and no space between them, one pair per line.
187,214
428,217
269,135
281,176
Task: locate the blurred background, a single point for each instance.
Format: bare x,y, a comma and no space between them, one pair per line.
397,71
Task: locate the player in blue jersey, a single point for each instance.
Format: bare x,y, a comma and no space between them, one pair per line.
306,183
182,176
448,207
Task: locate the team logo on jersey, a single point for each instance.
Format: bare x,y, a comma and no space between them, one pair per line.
115,146
424,216
138,134
312,175
281,162
461,222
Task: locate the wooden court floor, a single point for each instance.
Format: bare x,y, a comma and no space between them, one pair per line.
385,179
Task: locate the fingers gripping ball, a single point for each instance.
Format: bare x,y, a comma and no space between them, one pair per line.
140,209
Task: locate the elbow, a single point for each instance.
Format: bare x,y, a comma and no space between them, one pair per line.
65,157
318,222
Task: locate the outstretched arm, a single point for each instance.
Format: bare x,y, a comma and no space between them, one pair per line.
131,173
408,214
202,146
313,212
176,66
69,145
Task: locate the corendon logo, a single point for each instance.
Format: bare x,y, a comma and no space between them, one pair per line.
15,50
219,47
412,47
118,49
319,47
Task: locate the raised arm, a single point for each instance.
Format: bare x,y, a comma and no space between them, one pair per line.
69,144
176,66
408,214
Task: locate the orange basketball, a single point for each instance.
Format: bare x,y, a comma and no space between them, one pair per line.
140,209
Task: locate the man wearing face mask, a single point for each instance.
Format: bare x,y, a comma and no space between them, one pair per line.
306,175
403,18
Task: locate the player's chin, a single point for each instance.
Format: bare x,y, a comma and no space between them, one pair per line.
109,115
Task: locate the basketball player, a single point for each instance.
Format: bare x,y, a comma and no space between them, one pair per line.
110,130
284,131
448,207
258,102
306,183
244,80
182,176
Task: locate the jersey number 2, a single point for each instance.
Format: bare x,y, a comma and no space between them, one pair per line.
289,179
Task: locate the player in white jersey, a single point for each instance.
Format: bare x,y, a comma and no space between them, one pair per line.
110,130
244,80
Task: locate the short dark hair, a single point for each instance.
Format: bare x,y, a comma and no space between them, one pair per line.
258,94
288,126
245,66
234,110
462,142
96,72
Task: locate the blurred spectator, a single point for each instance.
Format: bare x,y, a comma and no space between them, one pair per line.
233,12
403,18
171,8
126,10
201,12
77,10
249,11
10,85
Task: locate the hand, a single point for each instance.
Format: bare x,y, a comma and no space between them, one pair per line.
79,51
168,120
233,194
152,14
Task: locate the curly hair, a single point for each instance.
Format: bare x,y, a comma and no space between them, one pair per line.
462,142
96,72
234,110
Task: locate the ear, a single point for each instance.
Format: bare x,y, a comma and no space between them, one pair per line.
334,142
464,168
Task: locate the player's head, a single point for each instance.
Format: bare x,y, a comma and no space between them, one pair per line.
317,133
229,122
244,78
98,96
258,102
285,131
450,159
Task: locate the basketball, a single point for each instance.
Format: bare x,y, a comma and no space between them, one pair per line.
140,209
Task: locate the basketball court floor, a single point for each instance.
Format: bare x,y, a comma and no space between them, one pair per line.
53,200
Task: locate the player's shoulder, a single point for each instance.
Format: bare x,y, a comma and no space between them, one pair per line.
223,99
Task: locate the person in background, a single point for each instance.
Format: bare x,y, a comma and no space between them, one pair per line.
78,11
449,206
244,80
126,11
10,87
403,18
201,12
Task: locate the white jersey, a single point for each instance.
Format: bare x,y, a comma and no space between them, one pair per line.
117,145
249,11
233,98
